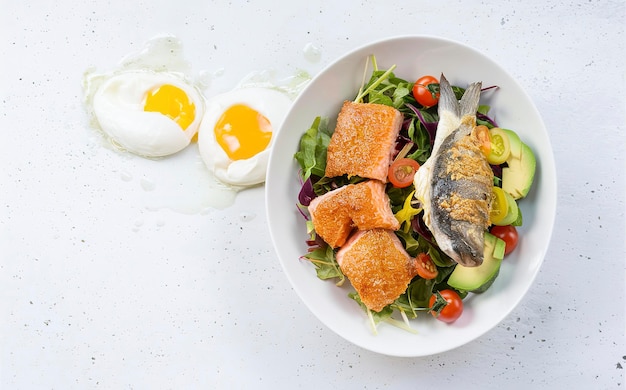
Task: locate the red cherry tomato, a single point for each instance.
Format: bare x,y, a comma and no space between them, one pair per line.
509,235
446,305
426,268
402,171
423,94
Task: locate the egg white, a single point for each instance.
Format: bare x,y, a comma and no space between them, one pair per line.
118,106
271,103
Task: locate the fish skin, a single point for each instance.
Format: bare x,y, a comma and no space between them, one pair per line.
454,185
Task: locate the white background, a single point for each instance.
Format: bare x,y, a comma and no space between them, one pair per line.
102,287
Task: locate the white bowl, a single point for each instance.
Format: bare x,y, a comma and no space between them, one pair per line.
414,56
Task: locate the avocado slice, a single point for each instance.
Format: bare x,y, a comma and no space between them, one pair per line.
487,284
517,177
520,219
478,279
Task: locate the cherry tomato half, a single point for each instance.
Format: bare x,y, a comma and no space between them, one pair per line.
509,235
423,94
426,268
500,146
484,139
402,171
499,206
446,305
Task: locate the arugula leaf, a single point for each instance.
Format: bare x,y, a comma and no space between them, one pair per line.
458,92
377,316
439,258
326,264
374,317
418,134
326,184
379,90
411,245
482,117
313,145
483,109
378,77
403,304
380,98
427,120
400,92
385,88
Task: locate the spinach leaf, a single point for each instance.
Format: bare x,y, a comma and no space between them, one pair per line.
419,291
397,196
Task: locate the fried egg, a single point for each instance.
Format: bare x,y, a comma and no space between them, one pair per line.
236,133
147,105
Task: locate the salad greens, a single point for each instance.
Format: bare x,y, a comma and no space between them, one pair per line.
326,265
313,146
415,141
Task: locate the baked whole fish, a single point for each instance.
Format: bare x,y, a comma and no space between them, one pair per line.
455,184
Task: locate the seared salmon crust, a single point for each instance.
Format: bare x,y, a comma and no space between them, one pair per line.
377,265
363,141
364,205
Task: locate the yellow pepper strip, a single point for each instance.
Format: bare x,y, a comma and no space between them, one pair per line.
406,214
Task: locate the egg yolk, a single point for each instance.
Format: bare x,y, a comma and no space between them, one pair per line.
172,102
242,132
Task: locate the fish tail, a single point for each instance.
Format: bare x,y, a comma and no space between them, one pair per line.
468,105
447,99
469,101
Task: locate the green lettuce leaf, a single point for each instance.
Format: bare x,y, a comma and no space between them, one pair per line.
313,145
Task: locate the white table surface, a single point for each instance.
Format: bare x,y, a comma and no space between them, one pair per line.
100,290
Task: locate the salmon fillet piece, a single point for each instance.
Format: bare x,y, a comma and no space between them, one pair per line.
377,266
364,140
364,205
330,215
